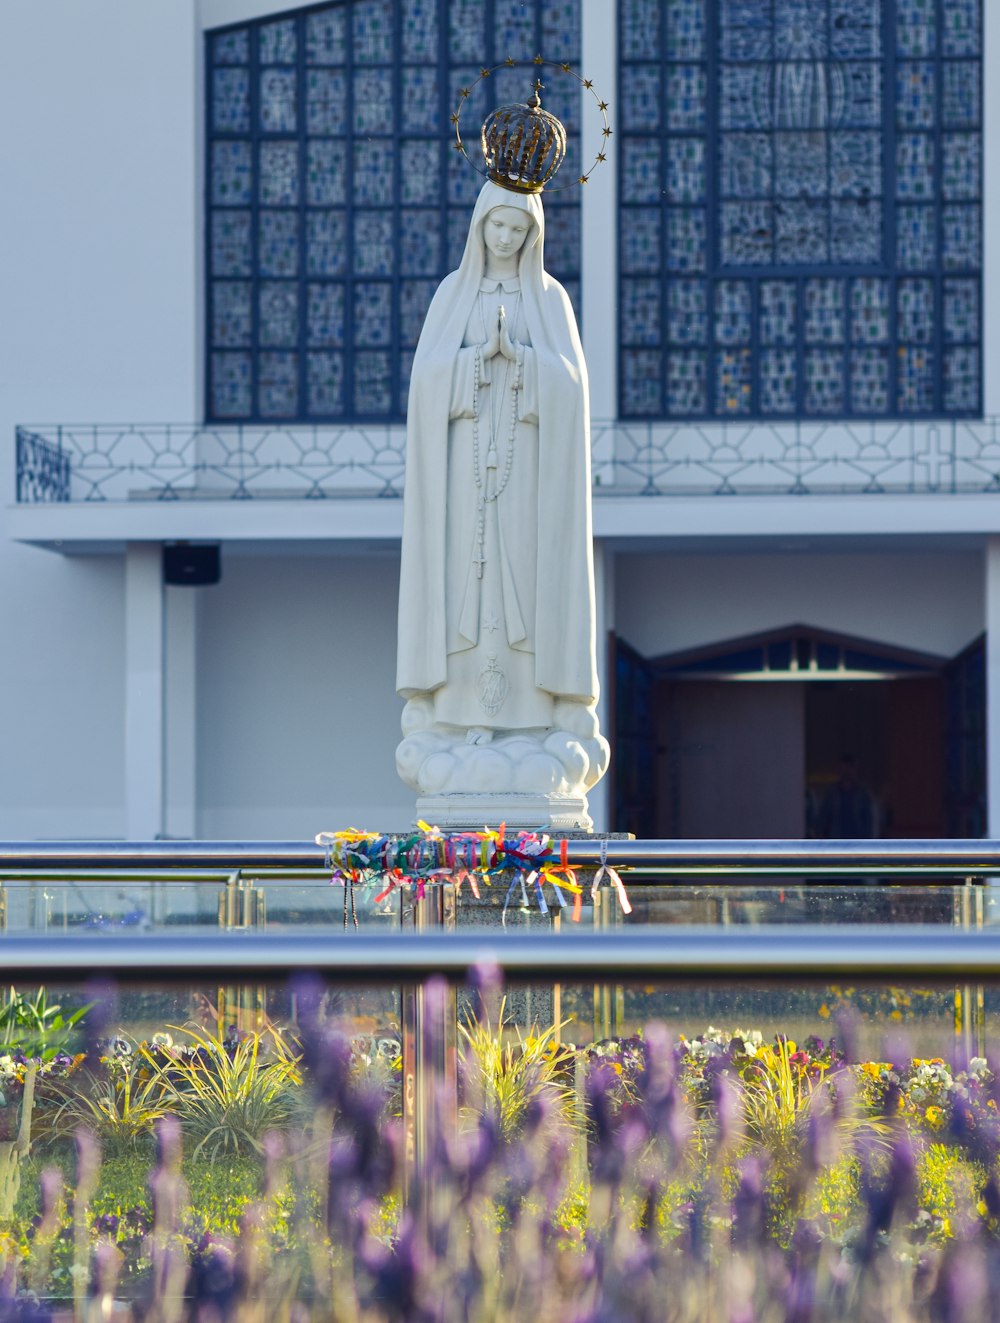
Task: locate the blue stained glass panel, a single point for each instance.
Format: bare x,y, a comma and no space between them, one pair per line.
915,311
458,229
562,240
326,101
467,29
372,313
745,167
778,320
746,31
641,382
278,42
862,96
824,378
325,318
915,379
777,381
687,312
961,33
856,29
738,93
732,312
279,174
685,170
870,380
916,238
733,382
800,164
373,173
961,165
960,95
278,385
961,379
326,243
856,231
855,164
514,29
747,233
373,243
278,314
422,101
231,100
231,47
277,101
231,391
686,88
825,311
231,251
685,29
916,27
686,384
961,310
324,384
278,243
870,310
231,314
801,232
373,112
915,99
961,236
640,241
420,30
326,36
642,170
560,29
640,28
915,166
232,174
372,24
419,242
641,312
373,384
414,300
641,97
419,171
686,239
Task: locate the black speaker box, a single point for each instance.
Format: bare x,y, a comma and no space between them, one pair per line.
192,566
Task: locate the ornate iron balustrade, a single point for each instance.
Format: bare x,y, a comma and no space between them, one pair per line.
163,461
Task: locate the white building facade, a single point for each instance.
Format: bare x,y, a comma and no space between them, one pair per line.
224,219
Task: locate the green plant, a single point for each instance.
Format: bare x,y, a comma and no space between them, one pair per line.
119,1105
36,1028
502,1077
228,1096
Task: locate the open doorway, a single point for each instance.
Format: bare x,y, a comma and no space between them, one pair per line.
750,738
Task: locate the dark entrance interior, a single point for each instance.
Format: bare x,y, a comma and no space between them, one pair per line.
748,739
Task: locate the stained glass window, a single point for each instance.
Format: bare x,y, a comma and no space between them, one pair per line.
336,204
801,222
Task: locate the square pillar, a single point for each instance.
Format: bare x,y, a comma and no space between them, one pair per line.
144,691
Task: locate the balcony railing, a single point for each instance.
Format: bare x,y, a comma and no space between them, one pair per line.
185,461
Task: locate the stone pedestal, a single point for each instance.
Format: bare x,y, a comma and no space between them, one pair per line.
551,813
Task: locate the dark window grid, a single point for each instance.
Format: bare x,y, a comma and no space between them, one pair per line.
447,70
756,274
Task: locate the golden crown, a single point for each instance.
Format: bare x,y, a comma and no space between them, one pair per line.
523,145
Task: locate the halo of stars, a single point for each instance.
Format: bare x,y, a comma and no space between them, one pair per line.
510,63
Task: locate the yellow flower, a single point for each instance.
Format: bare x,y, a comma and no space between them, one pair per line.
934,1117
824,1012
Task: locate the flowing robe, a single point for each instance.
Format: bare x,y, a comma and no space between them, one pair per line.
536,595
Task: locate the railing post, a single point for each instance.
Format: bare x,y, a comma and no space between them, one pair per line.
242,907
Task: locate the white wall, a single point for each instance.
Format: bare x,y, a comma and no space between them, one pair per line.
97,323
298,718
930,602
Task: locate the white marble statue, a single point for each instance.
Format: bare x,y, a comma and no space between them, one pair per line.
496,656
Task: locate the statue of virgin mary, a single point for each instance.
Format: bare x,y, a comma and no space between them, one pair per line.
496,645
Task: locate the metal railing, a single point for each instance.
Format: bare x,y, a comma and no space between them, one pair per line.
97,462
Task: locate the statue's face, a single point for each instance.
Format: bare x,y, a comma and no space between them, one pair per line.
505,231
